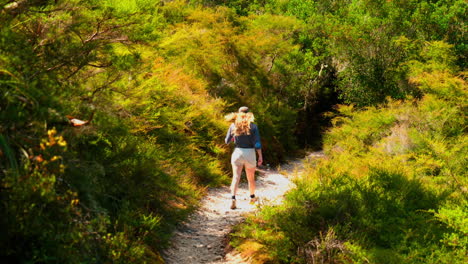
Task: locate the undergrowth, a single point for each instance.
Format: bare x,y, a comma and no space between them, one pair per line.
392,188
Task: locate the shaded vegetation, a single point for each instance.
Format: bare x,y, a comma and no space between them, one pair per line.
392,188
152,80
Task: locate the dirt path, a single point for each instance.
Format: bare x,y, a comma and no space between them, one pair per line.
201,239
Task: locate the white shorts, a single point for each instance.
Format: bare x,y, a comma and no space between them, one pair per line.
244,157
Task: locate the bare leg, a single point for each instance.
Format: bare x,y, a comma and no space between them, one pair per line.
236,175
251,178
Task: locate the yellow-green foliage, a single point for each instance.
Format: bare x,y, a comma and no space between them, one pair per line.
392,188
236,58
111,190
153,79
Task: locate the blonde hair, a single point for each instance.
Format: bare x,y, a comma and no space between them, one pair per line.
241,122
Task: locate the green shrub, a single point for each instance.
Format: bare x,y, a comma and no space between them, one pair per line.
386,191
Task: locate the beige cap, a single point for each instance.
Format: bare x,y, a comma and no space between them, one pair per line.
244,109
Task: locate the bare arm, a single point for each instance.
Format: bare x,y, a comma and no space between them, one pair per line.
258,146
260,157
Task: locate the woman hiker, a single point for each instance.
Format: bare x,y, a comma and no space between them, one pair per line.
246,137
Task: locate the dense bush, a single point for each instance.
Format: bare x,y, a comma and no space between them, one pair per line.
153,79
392,188
110,190
361,39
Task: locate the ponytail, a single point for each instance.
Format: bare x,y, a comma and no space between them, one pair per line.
241,123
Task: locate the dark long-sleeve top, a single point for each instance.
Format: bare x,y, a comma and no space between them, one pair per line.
245,141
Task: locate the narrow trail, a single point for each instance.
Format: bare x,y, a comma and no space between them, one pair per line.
202,238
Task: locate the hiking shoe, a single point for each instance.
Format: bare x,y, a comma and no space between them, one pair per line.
253,200
233,204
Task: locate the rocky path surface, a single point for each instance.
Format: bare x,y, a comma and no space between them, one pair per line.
202,238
